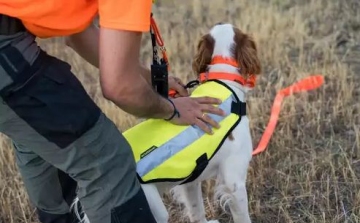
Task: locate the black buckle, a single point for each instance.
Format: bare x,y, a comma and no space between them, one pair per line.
192,84
238,108
159,79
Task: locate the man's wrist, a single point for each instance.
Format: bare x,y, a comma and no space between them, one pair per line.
174,112
167,108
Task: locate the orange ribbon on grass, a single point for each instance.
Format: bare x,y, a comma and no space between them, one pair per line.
306,84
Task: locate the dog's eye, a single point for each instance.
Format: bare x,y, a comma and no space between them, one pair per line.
219,23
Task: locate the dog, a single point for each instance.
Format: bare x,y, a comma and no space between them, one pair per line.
229,55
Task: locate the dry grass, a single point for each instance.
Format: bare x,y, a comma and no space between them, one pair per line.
311,170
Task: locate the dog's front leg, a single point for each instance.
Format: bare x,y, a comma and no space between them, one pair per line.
156,204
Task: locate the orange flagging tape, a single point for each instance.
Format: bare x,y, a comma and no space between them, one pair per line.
306,84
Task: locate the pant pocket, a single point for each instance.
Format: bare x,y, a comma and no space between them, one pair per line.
55,104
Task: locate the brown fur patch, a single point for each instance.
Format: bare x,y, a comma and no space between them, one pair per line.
245,53
203,55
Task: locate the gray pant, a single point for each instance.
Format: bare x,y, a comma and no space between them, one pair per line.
63,141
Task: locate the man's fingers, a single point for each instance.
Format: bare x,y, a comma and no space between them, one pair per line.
174,78
203,126
212,109
206,104
180,89
177,95
208,100
210,121
176,84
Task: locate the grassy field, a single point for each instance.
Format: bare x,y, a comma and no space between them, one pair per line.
310,171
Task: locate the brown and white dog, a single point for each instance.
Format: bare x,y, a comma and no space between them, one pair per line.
228,51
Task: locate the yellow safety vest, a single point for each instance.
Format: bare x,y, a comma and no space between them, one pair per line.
167,152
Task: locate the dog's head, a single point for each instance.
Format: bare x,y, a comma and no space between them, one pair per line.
227,41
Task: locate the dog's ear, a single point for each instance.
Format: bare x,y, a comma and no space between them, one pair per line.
245,52
203,55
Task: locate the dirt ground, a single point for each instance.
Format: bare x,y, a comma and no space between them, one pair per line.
311,168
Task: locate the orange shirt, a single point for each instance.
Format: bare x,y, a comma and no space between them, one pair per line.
50,18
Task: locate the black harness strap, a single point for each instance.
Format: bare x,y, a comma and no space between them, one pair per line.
238,108
201,164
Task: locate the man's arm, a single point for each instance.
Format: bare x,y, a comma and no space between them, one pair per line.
146,73
121,80
86,44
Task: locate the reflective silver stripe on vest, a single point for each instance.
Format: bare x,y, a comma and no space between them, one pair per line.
178,143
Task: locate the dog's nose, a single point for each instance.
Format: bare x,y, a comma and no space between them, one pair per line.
219,23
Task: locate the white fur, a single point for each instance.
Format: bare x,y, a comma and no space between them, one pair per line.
224,38
229,166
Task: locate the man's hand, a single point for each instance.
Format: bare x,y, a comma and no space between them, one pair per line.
128,84
177,85
193,112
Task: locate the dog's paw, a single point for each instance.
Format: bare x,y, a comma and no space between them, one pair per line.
213,221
